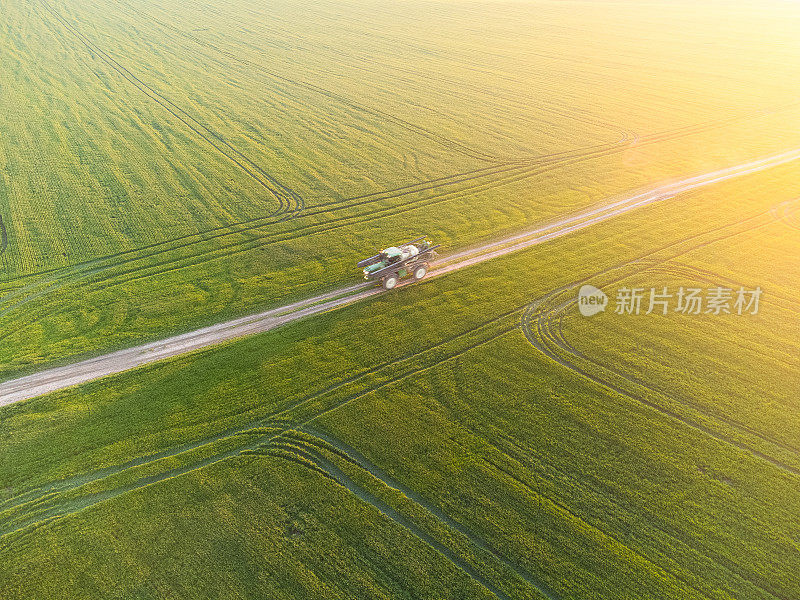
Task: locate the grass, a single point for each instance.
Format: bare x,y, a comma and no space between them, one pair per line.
461,453
467,437
164,169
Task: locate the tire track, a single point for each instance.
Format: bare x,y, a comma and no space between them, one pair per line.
542,325
333,472
492,92
791,305
289,201
224,251
546,162
442,140
521,454
46,502
553,160
474,181
313,448
522,459
14,390
788,213
3,236
47,510
682,131
634,389
330,225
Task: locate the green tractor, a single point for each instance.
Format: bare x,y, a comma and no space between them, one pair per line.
397,262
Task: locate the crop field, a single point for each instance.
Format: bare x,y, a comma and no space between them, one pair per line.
165,166
513,452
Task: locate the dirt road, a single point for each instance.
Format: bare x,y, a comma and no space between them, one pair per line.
58,378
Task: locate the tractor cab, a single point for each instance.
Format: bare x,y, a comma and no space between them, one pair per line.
392,254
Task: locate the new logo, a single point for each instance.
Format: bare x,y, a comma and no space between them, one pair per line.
591,300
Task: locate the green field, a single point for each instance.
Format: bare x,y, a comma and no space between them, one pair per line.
167,167
163,167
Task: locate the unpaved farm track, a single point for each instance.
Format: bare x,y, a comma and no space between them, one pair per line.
58,378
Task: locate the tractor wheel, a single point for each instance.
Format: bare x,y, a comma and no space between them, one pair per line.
420,272
390,281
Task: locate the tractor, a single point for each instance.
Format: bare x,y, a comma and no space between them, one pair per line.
411,259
